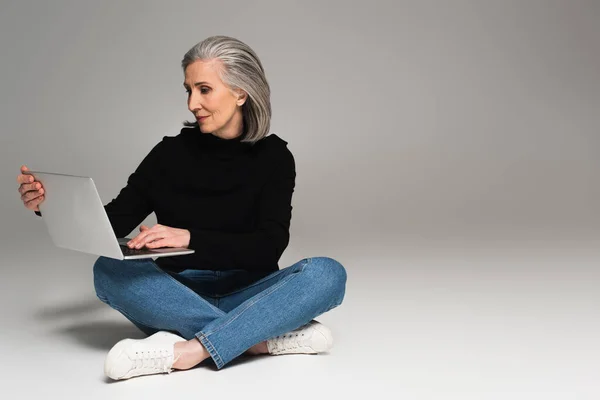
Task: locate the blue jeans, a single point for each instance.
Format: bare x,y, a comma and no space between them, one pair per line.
227,311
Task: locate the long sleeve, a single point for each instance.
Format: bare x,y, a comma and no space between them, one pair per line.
261,248
133,202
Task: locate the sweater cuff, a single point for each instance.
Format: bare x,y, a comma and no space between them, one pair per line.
38,213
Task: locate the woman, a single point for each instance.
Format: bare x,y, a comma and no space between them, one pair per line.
223,188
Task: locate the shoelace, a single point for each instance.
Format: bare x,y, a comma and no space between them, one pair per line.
153,359
287,341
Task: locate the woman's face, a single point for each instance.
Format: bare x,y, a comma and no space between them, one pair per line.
209,97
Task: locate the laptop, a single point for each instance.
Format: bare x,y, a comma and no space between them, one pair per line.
76,219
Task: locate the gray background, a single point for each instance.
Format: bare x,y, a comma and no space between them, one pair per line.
446,154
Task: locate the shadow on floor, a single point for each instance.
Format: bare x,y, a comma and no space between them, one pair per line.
72,309
101,335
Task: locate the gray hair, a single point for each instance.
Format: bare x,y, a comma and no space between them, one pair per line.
241,69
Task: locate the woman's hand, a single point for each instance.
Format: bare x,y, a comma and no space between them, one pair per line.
32,191
160,236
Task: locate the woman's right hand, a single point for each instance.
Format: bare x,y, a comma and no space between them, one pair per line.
32,191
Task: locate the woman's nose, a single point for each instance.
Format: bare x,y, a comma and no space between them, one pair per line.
194,103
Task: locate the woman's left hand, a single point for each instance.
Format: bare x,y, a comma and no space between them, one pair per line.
160,236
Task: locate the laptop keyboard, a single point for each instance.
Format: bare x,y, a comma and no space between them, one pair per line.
133,252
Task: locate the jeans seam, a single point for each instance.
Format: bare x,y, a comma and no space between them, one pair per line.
102,298
187,288
258,282
203,336
211,349
262,295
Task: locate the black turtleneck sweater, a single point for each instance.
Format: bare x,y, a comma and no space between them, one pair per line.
234,198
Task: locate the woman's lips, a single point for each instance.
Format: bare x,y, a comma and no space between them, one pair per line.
201,118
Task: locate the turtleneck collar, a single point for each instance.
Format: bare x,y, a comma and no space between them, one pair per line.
212,144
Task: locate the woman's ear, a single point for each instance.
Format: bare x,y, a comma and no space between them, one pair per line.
241,97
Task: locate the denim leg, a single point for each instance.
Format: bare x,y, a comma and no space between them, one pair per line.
278,303
151,298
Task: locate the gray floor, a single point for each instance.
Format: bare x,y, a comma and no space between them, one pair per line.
439,320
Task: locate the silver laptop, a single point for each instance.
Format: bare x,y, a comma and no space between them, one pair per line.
76,219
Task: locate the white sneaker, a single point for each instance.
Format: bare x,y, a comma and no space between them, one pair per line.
311,338
132,357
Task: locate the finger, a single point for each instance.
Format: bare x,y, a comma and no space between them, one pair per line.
25,170
155,239
24,178
34,202
140,238
148,239
27,197
159,243
155,229
27,187
36,192
156,243
132,242
150,243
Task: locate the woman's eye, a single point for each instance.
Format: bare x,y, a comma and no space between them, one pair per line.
201,91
